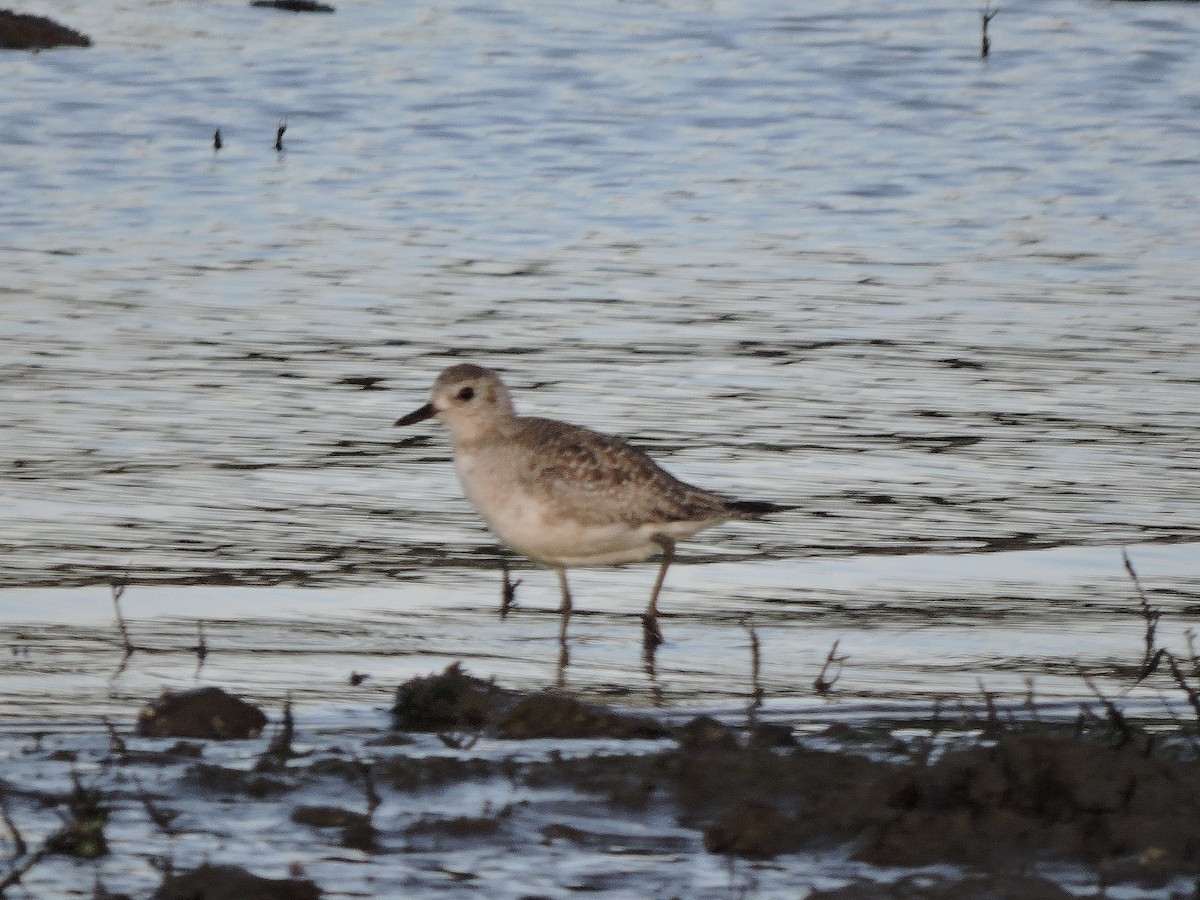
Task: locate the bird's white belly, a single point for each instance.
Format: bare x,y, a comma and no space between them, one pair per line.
534,528
565,543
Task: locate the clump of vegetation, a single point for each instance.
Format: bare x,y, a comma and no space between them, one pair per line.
82,832
451,700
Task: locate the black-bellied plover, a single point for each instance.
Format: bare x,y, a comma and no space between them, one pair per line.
567,496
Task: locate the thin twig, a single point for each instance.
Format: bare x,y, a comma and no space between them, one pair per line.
1151,655
160,817
18,841
992,726
1193,696
369,792
824,683
755,668
279,751
115,742
927,746
118,591
1115,716
1030,702
1190,637
15,874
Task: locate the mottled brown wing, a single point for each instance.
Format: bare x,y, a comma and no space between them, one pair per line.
604,479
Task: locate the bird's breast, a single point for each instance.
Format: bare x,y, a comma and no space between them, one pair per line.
534,526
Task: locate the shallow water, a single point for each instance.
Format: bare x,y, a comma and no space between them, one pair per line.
945,306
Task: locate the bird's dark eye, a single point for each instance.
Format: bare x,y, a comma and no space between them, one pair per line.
466,393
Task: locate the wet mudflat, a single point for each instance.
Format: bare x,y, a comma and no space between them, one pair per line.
466,786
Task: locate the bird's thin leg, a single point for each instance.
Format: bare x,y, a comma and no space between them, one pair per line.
668,546
565,609
651,633
564,653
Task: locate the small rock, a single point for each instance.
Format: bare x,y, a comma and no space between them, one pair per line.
210,882
207,712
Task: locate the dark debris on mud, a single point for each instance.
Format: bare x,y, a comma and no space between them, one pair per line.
1003,799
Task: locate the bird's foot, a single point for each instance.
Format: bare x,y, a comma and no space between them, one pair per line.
651,634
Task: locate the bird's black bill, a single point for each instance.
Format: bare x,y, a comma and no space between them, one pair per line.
428,411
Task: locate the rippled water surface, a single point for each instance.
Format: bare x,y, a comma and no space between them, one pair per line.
947,307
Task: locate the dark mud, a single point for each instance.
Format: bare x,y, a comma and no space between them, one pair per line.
998,886
1100,796
456,700
210,882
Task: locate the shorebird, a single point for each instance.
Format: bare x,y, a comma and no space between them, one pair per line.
567,496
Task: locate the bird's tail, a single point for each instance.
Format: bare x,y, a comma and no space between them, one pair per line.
754,509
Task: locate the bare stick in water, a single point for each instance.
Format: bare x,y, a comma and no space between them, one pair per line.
755,667
118,591
986,14
201,647
824,683
370,794
1151,655
279,751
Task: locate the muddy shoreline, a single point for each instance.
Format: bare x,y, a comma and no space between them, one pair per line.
465,784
